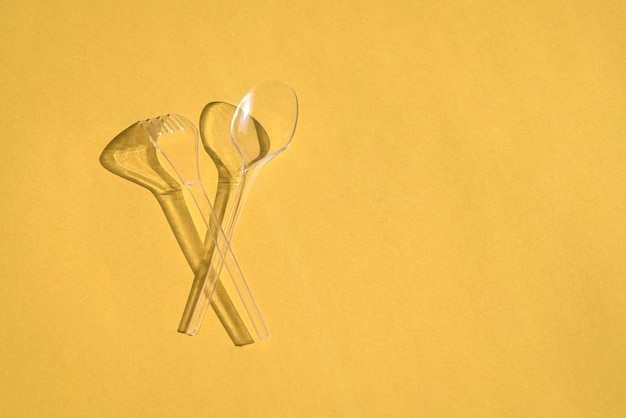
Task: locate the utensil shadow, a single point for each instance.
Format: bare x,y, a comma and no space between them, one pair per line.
132,156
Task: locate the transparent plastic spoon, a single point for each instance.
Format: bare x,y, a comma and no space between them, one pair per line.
262,127
132,156
176,139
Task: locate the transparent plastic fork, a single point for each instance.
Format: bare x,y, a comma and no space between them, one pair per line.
176,139
262,127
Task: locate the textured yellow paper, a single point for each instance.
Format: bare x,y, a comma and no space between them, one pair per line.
444,238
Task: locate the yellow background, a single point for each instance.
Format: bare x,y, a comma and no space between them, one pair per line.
445,237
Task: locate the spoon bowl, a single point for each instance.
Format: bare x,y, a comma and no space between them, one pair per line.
273,105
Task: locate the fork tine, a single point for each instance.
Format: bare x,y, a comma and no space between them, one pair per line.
182,121
169,125
173,122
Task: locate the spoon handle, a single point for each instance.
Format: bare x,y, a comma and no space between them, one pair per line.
217,253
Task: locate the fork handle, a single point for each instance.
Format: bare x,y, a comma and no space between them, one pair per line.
181,223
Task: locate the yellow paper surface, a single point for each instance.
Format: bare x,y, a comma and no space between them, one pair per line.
445,237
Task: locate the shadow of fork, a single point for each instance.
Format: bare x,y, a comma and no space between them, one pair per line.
132,156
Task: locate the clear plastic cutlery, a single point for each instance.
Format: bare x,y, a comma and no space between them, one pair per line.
176,139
